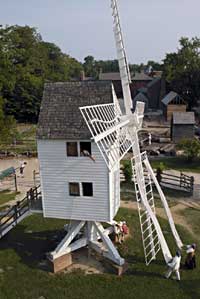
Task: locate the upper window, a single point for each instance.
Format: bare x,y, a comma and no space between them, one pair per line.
74,189
85,148
87,189
72,149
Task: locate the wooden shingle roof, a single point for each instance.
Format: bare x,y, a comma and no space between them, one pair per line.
60,117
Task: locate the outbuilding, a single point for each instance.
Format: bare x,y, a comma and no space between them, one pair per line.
182,126
173,102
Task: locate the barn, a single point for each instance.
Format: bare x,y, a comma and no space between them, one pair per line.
173,102
75,180
182,126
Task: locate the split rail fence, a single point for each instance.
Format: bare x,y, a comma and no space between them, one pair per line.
180,182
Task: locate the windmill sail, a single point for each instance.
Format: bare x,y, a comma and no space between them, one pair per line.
109,130
115,134
141,191
122,58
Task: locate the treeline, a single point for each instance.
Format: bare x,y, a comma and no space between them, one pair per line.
93,67
27,62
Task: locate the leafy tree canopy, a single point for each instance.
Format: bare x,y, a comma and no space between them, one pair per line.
26,62
93,67
7,126
182,69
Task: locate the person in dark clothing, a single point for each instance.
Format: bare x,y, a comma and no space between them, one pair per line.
190,262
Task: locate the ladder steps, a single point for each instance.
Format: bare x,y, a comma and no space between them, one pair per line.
154,230
146,222
151,242
143,214
158,243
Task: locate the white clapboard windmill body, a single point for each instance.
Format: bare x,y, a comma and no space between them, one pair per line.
115,134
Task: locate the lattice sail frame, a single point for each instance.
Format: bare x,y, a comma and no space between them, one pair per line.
109,130
150,238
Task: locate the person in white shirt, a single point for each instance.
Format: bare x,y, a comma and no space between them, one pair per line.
174,266
21,169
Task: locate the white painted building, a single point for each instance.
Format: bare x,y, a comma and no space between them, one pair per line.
75,180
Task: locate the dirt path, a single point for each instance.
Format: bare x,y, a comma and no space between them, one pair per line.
23,183
178,218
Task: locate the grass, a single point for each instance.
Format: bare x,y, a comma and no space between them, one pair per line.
23,249
192,215
6,196
177,163
128,194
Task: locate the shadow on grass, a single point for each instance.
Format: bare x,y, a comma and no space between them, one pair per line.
32,247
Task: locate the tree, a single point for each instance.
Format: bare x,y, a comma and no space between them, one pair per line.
7,126
127,169
90,67
26,63
190,147
182,70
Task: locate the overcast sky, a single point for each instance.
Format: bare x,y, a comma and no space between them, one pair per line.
84,27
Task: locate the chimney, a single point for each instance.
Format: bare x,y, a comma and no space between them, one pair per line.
82,75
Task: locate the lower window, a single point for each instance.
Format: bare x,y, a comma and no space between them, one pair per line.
87,189
74,189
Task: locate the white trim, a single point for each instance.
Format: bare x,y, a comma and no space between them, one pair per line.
81,189
78,148
92,232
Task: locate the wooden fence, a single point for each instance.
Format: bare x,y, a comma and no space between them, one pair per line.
181,182
20,210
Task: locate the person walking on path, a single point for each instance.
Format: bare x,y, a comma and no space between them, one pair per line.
21,169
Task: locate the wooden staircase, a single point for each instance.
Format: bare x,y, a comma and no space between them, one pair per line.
32,203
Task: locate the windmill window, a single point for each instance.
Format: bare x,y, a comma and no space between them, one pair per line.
85,148
72,149
74,189
87,189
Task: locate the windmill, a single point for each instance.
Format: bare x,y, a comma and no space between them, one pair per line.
115,134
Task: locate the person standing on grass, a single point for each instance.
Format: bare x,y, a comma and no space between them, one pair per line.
174,266
190,262
117,231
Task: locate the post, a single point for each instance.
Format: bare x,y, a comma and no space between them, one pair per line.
192,184
159,175
15,179
34,175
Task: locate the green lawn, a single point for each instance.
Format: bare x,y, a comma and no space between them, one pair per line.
6,196
177,163
24,248
193,218
128,193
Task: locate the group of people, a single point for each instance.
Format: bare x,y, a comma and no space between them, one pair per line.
120,230
175,263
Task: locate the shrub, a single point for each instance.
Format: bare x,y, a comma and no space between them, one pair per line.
190,147
127,171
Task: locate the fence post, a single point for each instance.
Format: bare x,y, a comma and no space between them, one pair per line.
34,177
15,179
159,175
192,184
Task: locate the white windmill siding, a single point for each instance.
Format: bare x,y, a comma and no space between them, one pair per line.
57,170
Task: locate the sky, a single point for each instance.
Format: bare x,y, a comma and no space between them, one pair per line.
151,28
